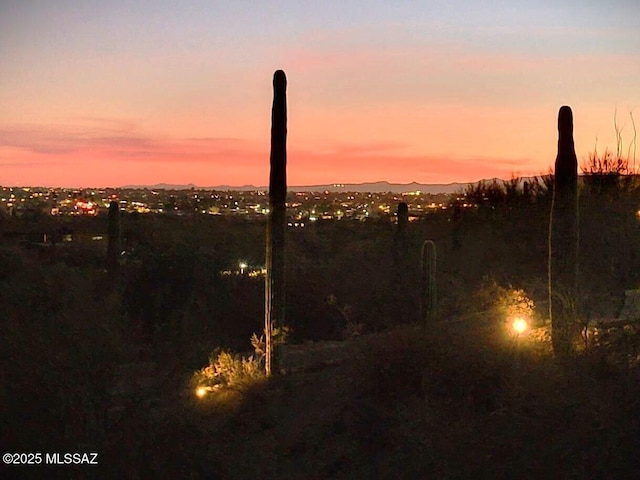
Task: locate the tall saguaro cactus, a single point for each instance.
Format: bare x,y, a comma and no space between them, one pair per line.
275,281
113,234
563,240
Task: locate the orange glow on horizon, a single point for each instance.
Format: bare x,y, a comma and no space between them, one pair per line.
425,144
411,93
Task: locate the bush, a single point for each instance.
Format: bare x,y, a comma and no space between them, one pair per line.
497,302
229,371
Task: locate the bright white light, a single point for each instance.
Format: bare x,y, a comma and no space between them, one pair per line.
519,325
201,392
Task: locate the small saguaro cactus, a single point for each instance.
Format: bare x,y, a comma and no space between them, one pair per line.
564,240
403,217
275,280
400,275
113,234
400,240
428,283
456,226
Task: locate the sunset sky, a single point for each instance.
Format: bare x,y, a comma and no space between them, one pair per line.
110,93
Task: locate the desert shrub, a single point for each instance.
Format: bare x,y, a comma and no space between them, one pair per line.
229,371
606,164
493,301
351,328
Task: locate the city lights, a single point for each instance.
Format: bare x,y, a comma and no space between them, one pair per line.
308,207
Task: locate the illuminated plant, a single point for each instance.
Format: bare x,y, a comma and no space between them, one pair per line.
563,240
275,281
494,301
228,371
516,304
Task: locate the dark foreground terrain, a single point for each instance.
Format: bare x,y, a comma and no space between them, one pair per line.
457,401
97,361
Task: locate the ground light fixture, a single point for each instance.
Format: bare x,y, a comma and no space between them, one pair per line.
519,325
201,391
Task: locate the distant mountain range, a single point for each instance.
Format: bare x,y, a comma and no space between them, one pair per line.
373,187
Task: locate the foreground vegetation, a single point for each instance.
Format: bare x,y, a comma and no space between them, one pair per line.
453,402
93,363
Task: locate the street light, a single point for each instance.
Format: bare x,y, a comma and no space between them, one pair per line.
242,266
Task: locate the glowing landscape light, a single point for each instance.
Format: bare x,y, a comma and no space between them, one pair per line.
201,392
519,325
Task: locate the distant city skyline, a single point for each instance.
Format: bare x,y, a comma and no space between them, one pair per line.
98,94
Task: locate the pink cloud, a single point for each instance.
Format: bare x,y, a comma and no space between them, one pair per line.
65,141
116,160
